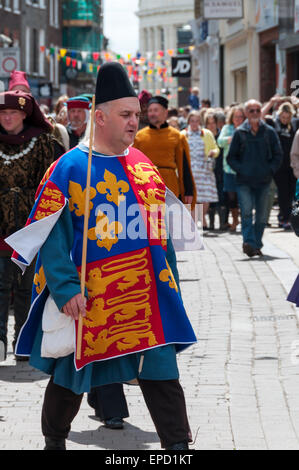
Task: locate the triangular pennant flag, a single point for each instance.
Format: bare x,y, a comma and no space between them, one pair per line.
95,56
63,52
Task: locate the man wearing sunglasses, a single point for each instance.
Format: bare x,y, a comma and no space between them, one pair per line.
255,154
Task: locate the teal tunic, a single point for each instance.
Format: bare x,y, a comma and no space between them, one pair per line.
63,283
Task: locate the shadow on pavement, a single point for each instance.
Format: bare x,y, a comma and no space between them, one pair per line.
264,258
20,372
109,439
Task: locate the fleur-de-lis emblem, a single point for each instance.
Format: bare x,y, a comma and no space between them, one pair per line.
114,189
166,275
105,232
77,198
39,280
22,102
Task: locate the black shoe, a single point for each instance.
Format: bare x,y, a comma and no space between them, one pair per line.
249,250
259,253
114,423
287,227
54,443
21,358
179,446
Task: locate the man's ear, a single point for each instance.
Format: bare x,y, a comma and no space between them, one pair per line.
99,117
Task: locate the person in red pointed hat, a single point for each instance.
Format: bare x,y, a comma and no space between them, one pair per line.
18,81
26,151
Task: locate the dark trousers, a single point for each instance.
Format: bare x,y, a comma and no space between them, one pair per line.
13,283
108,401
286,187
164,399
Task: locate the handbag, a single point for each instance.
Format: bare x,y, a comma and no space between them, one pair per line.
295,217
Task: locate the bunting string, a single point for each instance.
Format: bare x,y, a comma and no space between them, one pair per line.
153,68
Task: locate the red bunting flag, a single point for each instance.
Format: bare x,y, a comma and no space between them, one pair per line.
95,56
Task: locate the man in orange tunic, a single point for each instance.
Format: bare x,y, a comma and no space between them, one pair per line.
163,145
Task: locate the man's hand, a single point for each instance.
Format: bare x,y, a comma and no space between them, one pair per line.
75,306
188,199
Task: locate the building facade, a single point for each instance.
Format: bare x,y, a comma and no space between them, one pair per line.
165,26
267,26
206,59
289,44
82,37
227,51
257,55
33,26
240,43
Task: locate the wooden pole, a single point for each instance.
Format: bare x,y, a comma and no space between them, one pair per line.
85,230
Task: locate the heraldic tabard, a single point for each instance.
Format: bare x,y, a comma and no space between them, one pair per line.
133,300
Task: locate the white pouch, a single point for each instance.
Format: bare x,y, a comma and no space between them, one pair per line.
58,332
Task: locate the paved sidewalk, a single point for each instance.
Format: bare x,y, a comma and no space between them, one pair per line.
241,380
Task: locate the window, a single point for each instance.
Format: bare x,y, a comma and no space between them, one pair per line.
35,51
27,50
16,6
54,13
51,12
162,39
7,5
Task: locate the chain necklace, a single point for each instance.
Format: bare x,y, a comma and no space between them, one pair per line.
9,158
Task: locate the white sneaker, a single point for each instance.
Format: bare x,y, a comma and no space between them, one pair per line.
2,351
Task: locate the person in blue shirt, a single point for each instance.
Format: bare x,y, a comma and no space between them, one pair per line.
194,98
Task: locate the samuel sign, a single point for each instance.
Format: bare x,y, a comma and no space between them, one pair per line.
223,9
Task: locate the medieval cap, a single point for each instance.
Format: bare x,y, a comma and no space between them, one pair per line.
113,83
81,102
18,78
159,100
35,120
144,97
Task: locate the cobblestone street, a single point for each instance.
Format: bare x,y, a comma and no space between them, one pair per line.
241,380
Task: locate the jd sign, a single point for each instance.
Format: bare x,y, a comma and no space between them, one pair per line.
181,66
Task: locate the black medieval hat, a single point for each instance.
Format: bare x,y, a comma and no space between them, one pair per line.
159,100
113,83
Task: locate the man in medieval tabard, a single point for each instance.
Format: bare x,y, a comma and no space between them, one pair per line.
134,321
